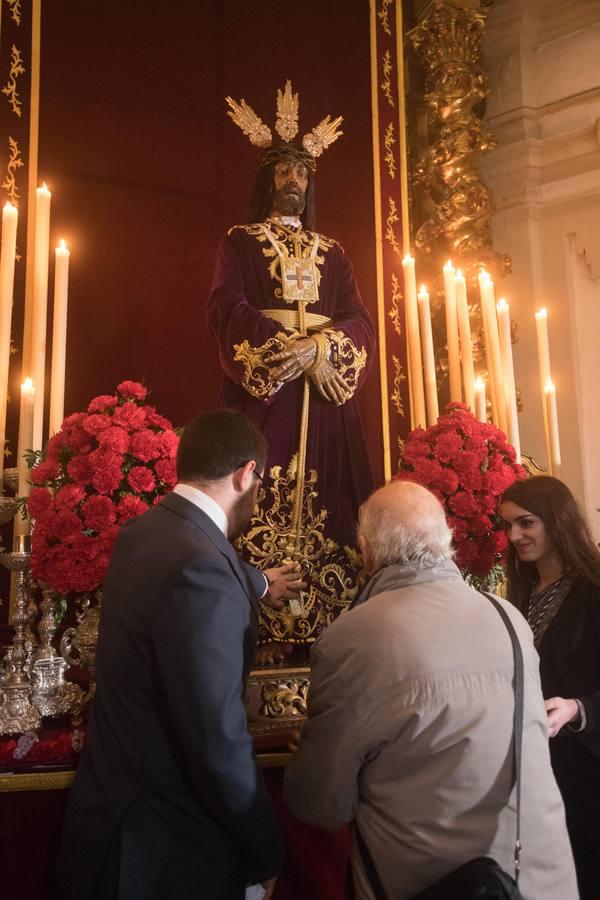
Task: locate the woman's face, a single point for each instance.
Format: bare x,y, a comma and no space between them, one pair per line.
526,532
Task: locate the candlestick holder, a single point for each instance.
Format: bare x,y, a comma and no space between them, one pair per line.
78,645
17,713
11,479
52,695
8,508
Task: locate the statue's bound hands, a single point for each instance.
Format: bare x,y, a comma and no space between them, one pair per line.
294,360
330,383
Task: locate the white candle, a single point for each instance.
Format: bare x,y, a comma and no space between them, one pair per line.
509,376
454,380
492,349
480,401
428,357
10,215
550,392
541,327
413,340
26,414
40,308
59,338
466,347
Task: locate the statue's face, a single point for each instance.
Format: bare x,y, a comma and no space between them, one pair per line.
290,178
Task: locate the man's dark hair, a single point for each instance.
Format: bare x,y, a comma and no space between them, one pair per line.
261,198
215,444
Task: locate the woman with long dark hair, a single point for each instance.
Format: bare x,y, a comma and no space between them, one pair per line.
553,570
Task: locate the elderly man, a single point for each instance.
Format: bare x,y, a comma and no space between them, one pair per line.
295,342
411,719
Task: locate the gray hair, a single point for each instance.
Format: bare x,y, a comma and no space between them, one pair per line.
404,524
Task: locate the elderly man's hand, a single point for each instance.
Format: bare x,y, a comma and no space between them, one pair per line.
284,582
560,713
330,383
294,360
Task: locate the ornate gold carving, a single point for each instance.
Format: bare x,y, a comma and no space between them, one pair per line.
15,10
14,162
10,88
347,358
399,377
390,234
332,572
383,16
255,362
246,119
389,140
285,699
322,135
394,312
448,42
386,84
286,125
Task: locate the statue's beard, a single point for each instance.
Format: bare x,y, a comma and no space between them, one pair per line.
289,201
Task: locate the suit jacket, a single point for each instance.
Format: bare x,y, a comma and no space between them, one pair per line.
169,771
410,733
570,657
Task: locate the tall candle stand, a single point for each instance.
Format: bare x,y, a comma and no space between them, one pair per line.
17,713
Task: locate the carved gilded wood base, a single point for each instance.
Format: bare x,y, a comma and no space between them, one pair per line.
276,699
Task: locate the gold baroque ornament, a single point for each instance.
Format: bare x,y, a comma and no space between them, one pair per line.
390,234
386,84
10,88
15,10
332,573
287,113
14,162
285,698
394,312
399,377
389,140
383,16
347,358
448,42
255,360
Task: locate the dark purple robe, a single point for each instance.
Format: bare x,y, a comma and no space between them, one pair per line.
246,282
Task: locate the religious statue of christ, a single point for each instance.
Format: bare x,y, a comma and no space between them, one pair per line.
295,343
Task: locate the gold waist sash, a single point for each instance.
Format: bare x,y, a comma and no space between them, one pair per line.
290,319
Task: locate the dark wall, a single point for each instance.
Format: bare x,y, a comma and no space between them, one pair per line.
147,171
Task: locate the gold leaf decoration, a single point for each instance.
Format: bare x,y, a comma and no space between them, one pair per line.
383,16
399,377
386,84
287,113
15,10
14,162
390,234
394,312
322,135
10,88
252,126
389,140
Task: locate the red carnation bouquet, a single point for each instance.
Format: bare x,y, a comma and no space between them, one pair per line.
468,465
103,467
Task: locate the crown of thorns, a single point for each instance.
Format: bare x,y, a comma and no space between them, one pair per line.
286,126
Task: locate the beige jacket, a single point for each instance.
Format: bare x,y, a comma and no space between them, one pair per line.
410,732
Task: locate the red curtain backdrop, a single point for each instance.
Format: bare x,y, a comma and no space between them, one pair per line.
147,171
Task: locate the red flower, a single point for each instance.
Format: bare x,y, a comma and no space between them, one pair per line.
115,439
463,504
40,500
169,442
145,445
448,481
427,471
70,495
80,469
166,471
130,506
129,416
157,421
447,446
103,403
99,513
132,390
96,423
45,471
141,479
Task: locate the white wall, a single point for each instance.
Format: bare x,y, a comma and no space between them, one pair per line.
543,60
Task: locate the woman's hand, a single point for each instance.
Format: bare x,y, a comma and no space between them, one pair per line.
560,713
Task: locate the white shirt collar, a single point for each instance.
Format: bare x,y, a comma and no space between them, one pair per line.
209,506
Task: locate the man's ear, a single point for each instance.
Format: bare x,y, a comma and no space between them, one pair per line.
242,478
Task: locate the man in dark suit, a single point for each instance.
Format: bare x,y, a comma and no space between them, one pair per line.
168,801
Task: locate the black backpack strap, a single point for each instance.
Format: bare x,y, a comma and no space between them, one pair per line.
519,691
